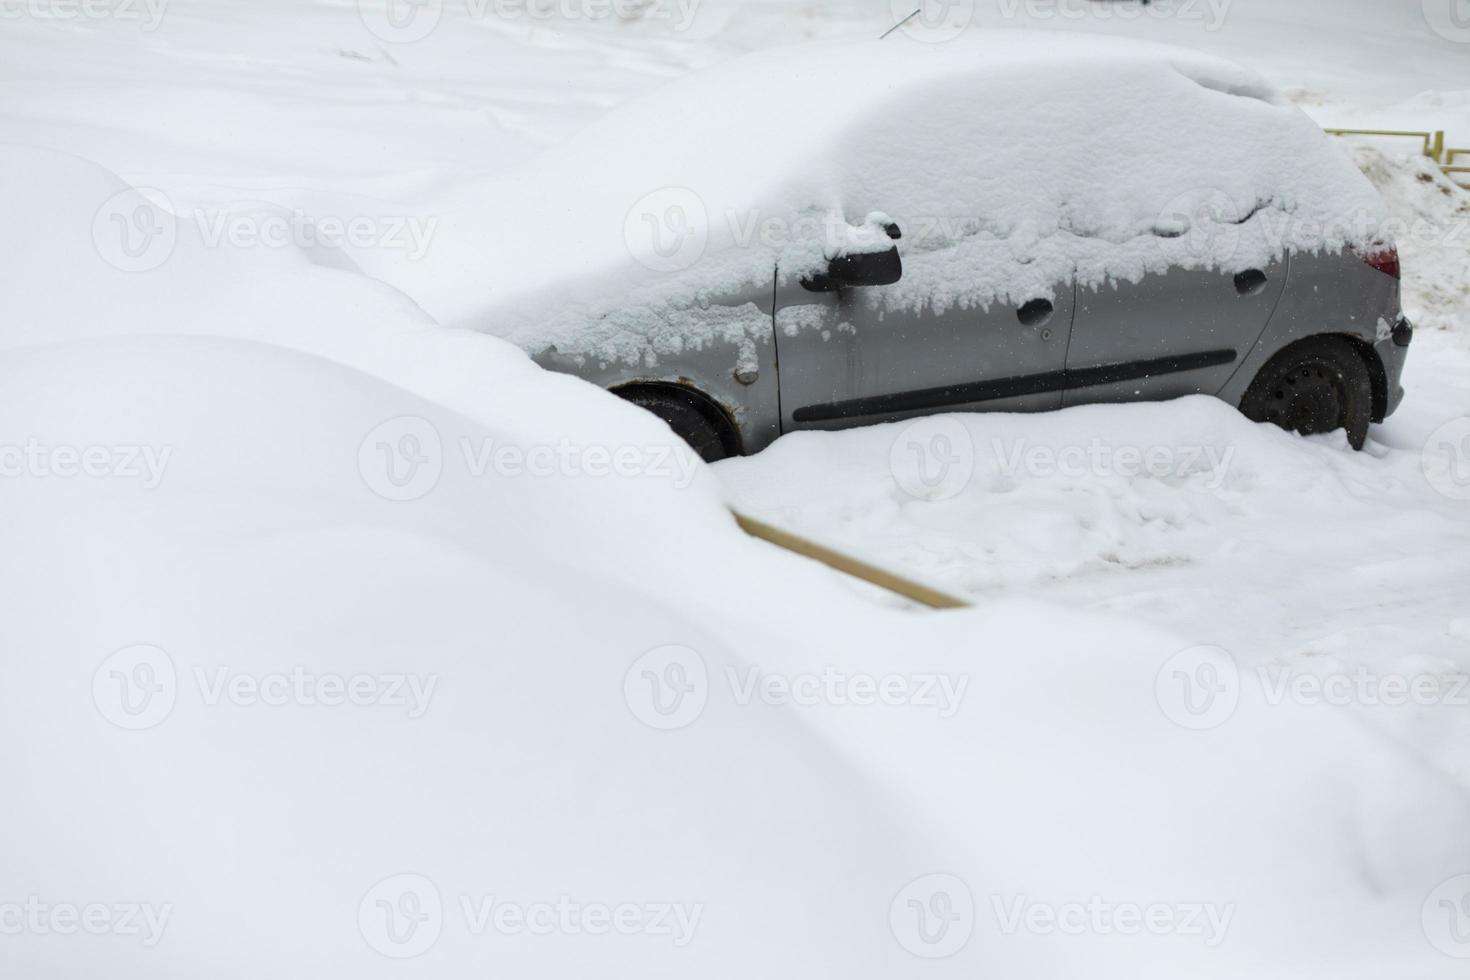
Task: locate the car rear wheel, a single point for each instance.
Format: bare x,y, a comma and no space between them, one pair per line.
1317,385
696,423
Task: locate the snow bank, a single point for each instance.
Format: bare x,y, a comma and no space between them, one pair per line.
787,833
524,776
68,277
1012,160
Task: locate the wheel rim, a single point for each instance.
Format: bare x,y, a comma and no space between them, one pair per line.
1307,399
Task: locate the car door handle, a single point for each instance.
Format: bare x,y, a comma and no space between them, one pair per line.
1250,282
1035,312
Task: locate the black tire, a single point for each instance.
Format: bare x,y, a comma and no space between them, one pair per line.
691,421
1316,385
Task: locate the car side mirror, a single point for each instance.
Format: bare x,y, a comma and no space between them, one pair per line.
860,268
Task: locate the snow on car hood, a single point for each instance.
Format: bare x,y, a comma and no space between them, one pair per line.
1012,161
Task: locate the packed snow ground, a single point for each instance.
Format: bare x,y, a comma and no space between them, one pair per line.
258,533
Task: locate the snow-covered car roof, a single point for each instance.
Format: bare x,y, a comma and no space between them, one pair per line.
1012,160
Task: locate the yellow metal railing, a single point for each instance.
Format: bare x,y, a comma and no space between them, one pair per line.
1432,144
1449,166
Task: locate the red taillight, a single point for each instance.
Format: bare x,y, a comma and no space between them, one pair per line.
1385,259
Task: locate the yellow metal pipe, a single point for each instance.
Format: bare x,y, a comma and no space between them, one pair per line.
848,565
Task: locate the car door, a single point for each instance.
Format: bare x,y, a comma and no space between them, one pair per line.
1183,332
843,360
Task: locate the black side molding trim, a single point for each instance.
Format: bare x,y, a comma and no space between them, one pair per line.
1105,374
1024,384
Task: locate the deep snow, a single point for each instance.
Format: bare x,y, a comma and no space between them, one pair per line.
255,405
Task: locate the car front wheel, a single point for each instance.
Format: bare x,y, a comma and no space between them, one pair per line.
696,423
1317,385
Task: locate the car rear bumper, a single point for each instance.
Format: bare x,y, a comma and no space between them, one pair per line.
1393,351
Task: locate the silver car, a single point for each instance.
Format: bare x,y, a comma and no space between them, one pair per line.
1312,340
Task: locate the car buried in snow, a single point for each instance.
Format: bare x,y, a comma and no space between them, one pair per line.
843,234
